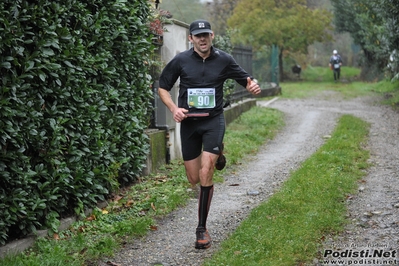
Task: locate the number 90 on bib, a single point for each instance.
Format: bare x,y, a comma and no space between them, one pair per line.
201,97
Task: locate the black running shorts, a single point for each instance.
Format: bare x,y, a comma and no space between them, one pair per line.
202,134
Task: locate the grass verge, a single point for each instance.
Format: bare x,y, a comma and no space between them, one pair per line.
390,90
287,229
310,89
249,131
325,74
133,211
318,79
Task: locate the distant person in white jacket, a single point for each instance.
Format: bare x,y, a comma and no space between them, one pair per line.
335,65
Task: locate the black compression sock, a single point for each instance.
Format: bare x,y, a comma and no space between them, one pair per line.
204,203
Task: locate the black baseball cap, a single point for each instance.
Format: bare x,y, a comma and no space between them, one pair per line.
200,26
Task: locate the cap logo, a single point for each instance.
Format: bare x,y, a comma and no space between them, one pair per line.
200,26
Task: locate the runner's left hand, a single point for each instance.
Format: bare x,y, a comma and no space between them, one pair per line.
252,86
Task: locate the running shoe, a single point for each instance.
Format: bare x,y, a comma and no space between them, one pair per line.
221,161
203,238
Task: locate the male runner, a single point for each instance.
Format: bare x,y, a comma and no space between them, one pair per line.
202,71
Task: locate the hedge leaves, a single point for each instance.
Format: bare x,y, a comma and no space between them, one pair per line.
74,102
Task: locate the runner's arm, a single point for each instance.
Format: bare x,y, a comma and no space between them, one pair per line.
178,113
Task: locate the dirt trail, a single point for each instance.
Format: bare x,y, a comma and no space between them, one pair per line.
374,211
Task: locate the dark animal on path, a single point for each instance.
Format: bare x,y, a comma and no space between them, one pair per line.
296,70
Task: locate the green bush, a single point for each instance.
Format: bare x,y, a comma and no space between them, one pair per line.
223,43
74,102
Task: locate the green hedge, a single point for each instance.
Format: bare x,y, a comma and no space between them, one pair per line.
74,102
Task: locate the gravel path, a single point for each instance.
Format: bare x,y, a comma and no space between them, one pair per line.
374,211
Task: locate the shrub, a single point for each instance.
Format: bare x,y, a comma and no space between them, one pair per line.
223,42
74,103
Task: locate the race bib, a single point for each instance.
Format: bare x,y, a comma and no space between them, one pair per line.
201,97
336,66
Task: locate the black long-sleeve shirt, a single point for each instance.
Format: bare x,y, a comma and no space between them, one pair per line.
196,72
